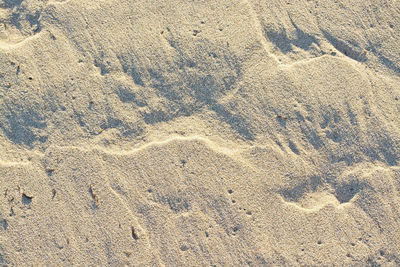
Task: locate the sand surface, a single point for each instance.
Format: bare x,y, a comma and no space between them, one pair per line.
199,133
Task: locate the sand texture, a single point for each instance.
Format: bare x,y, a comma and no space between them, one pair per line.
199,133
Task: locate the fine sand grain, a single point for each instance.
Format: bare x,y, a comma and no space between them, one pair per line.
199,133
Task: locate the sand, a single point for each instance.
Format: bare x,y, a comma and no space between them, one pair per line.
199,133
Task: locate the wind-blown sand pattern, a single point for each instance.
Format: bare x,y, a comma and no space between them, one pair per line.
199,133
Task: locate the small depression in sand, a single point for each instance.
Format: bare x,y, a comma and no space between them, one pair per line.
316,201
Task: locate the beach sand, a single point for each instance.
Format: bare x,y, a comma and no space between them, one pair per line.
199,133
